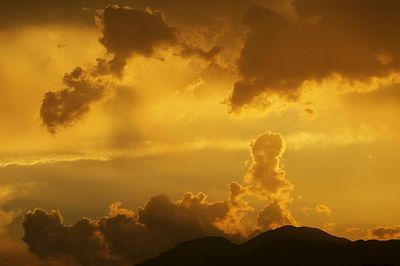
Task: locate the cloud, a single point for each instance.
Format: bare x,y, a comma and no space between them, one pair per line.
383,232
198,12
15,13
323,209
355,233
6,219
48,237
265,177
123,235
266,180
64,107
127,32
275,215
209,55
318,209
351,39
239,207
127,236
9,192
342,138
12,251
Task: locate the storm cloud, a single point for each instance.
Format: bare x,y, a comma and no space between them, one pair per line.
123,235
127,32
357,40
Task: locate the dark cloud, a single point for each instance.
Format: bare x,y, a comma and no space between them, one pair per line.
192,216
127,32
386,232
39,12
209,55
62,108
354,39
124,236
48,237
202,12
161,224
196,12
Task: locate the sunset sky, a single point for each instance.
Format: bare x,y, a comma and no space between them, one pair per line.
194,118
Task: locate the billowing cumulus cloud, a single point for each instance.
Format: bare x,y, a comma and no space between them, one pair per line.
127,236
353,39
62,108
239,207
48,237
123,235
267,180
265,176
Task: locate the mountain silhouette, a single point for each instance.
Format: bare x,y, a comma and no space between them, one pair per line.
284,246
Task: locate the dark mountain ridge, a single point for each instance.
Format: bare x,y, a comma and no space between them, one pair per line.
284,246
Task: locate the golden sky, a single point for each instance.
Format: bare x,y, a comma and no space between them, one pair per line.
201,117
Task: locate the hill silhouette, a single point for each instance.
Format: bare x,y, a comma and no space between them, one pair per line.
284,246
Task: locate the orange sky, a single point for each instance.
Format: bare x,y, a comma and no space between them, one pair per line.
296,102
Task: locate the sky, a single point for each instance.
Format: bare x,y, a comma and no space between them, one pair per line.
130,126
